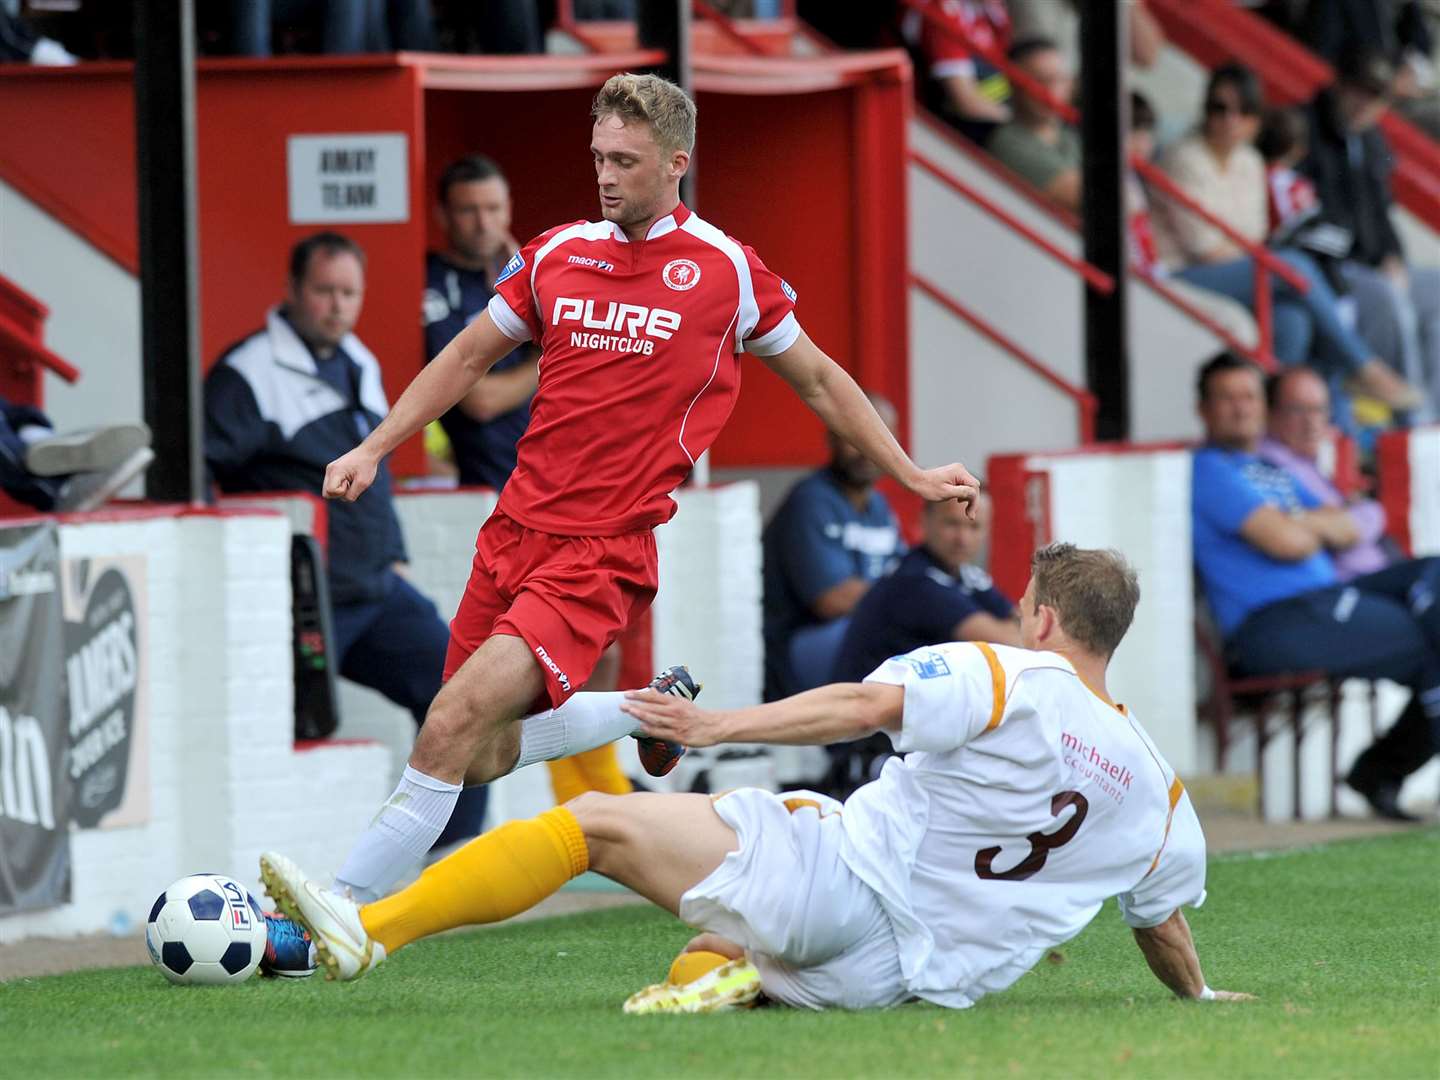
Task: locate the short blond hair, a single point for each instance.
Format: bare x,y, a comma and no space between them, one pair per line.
1094,593
655,101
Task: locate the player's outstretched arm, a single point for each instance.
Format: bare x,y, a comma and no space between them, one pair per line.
839,712
1170,951
832,394
440,384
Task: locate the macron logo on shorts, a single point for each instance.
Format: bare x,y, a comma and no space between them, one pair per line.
560,676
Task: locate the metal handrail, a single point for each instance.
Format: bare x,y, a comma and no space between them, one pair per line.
726,26
1095,277
1085,402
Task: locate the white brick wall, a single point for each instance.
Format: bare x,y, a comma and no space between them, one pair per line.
225,780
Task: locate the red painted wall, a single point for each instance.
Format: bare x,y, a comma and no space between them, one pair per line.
813,180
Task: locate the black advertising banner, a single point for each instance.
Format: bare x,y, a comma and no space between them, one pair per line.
34,741
104,606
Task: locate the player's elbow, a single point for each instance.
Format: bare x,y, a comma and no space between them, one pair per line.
874,707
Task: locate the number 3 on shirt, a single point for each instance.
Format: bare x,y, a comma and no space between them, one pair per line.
1041,843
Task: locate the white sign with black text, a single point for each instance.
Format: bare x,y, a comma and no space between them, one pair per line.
348,178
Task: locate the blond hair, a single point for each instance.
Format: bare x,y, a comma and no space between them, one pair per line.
653,100
1094,593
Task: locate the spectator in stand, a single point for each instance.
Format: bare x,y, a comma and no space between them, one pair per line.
1263,552
279,407
1220,169
831,539
1298,403
966,89
1140,230
473,209
1400,30
1399,304
1294,205
1037,144
19,43
937,593
344,26
78,471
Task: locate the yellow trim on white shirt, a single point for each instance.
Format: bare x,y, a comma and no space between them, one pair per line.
997,685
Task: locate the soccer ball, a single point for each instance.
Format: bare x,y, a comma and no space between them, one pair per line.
206,929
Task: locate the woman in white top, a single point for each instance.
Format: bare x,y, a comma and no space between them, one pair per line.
1219,168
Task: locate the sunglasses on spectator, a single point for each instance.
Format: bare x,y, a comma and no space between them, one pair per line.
1225,108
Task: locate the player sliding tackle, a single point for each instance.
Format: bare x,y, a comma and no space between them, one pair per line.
641,318
1025,799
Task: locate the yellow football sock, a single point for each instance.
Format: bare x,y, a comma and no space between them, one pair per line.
689,966
495,876
592,770
566,779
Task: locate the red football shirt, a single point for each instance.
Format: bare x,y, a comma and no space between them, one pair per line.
639,365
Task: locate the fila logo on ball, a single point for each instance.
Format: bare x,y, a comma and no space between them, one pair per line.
681,274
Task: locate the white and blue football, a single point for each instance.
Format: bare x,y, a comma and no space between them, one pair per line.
207,930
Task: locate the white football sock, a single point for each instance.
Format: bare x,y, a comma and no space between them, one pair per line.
584,722
403,831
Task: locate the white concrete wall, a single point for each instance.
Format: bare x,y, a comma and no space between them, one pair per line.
1425,491
94,313
226,781
1139,504
969,397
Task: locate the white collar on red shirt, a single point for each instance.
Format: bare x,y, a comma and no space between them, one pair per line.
667,224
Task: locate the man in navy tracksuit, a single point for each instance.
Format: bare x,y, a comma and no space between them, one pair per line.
279,407
485,425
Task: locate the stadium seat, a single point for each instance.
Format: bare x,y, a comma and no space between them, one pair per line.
1230,697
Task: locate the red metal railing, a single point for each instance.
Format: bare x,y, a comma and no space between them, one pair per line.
1084,401
1265,262
1094,277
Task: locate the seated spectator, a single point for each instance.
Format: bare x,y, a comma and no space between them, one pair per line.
1263,552
1140,233
1398,304
474,210
352,26
936,593
67,473
1298,403
1223,172
1294,205
1037,144
19,43
968,90
279,407
833,536
1401,30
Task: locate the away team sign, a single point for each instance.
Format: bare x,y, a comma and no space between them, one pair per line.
348,178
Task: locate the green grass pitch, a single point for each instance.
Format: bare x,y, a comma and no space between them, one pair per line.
1341,943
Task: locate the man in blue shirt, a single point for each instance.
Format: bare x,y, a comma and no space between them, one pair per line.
279,407
1262,551
831,538
474,210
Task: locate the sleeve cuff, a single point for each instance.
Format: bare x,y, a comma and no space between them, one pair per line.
777,340
949,69
510,324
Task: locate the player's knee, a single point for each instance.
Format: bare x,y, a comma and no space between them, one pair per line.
606,825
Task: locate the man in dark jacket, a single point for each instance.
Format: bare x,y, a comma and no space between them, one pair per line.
1399,304
279,407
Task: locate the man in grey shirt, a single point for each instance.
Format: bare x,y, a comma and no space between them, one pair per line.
1036,143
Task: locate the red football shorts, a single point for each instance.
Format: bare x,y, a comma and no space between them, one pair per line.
568,597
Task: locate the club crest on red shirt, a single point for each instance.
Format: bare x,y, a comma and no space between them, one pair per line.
681,274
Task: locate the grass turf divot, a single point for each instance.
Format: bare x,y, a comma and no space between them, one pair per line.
1342,944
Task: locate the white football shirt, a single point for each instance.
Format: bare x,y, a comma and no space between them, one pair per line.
1024,801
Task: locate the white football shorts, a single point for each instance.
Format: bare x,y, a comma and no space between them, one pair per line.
817,934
